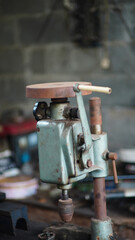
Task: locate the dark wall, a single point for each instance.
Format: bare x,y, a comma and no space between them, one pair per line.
35,46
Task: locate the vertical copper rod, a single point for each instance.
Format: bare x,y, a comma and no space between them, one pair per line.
100,199
95,115
99,183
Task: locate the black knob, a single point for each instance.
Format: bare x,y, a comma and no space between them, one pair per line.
39,110
74,113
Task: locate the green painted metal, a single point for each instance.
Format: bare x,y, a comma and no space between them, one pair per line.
57,110
96,143
52,157
60,160
63,161
100,145
58,152
101,230
85,127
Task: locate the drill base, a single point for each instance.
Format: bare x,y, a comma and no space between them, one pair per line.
101,230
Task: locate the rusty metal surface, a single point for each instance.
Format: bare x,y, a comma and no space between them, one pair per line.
113,156
54,90
100,198
99,183
95,115
69,231
46,235
115,172
66,209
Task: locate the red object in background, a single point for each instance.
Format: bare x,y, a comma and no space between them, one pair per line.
15,129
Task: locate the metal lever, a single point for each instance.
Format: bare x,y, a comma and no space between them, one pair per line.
100,89
85,126
113,156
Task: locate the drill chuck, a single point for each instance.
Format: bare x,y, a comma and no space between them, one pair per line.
66,209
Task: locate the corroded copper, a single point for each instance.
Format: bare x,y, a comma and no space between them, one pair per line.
95,111
54,90
100,198
112,156
99,183
66,209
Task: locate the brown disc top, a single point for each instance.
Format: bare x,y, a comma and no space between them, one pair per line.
54,90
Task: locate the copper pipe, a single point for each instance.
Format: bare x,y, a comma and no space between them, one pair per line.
95,115
100,199
99,183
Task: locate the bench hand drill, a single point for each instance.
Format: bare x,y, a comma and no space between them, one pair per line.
69,150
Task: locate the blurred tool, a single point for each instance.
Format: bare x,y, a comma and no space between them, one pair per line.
21,136
8,166
127,158
19,186
12,216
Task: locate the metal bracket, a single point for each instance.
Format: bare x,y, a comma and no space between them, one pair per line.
84,122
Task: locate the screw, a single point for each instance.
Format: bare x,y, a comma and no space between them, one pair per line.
89,163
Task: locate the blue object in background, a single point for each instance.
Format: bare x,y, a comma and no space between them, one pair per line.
25,157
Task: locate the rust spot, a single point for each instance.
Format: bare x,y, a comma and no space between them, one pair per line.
59,180
89,163
95,111
98,195
57,170
97,238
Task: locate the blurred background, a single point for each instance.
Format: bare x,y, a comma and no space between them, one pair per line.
65,40
50,41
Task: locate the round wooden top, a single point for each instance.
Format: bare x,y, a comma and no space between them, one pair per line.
54,90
